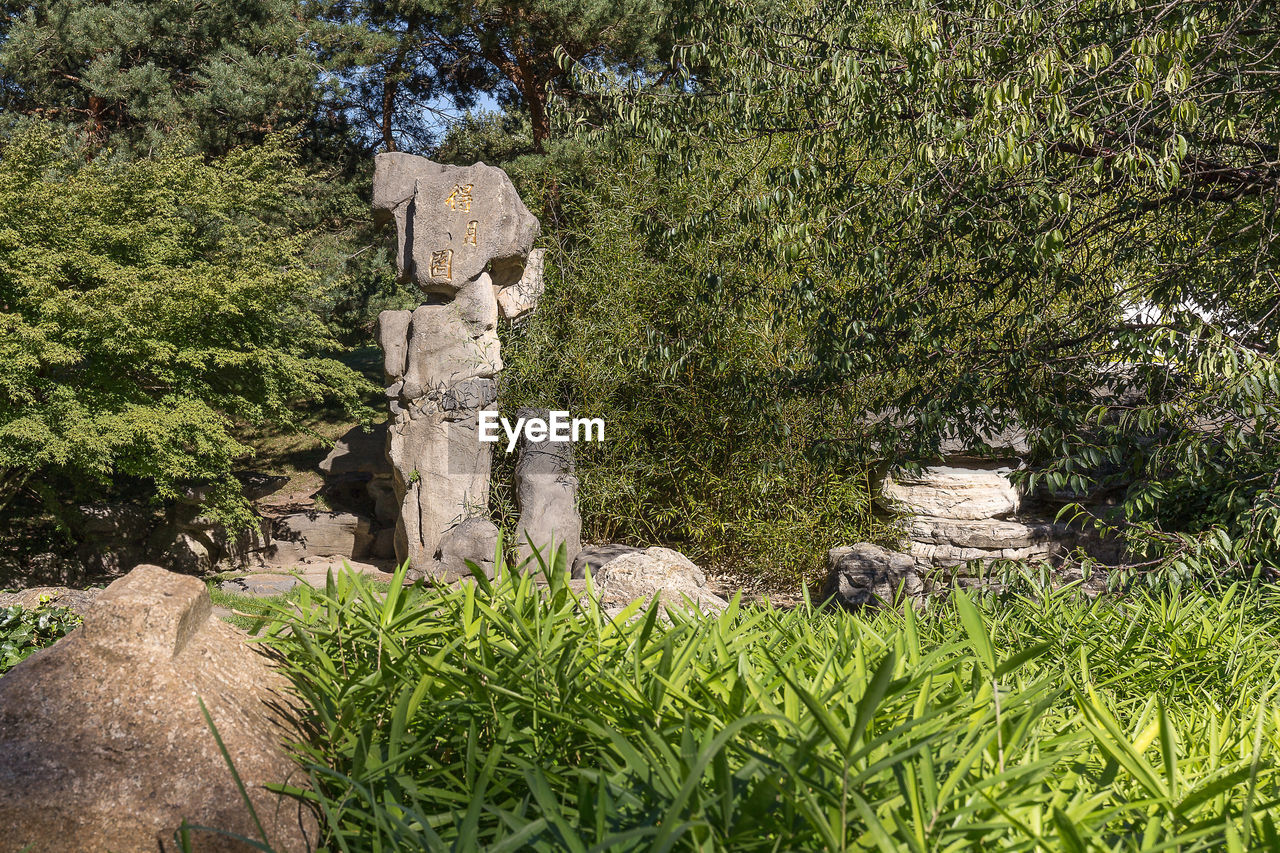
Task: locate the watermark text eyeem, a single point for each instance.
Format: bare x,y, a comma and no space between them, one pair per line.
557,426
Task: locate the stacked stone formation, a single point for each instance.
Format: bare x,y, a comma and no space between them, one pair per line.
466,239
961,514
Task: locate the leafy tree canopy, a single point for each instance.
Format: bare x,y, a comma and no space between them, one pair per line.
145,309
1059,214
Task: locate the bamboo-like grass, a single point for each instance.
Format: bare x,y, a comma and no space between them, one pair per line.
509,715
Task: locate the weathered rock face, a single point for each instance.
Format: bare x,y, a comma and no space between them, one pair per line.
452,221
866,575
392,331
547,493
660,573
319,534
452,343
949,492
474,539
521,298
440,468
440,472
103,745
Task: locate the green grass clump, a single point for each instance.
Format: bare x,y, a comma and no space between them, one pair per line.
251,613
507,716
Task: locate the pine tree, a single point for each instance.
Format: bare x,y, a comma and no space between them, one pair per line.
406,59
129,75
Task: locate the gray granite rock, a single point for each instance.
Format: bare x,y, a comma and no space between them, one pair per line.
866,575
473,539
452,222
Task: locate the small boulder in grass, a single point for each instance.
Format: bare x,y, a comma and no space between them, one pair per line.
661,574
866,575
103,744
593,557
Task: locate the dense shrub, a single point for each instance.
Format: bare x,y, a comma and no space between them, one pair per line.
511,716
24,631
707,449
147,308
1044,213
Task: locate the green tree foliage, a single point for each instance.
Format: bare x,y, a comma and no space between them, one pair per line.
1060,214
130,75
148,307
131,78
403,61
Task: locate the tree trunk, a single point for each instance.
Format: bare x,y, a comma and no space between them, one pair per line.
536,102
391,84
531,90
388,112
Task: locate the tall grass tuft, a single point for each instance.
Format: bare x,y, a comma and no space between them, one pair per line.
509,715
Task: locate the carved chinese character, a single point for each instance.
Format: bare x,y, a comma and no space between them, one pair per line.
460,198
442,264
471,232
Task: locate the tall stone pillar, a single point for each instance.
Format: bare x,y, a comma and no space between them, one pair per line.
464,237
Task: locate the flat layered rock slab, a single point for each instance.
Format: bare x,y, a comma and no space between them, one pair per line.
944,491
75,600
314,573
986,533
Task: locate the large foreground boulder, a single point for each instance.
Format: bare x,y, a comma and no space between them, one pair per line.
103,745
866,575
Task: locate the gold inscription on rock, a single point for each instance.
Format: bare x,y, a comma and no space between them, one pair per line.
471,232
442,264
460,198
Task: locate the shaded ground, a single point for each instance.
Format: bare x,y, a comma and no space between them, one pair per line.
295,455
